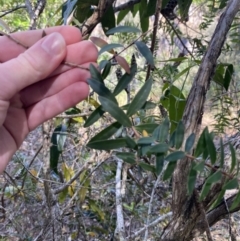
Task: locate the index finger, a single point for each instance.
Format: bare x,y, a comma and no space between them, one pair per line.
9,49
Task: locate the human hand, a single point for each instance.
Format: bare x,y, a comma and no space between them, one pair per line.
35,86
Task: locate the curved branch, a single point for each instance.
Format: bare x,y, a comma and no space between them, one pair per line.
12,10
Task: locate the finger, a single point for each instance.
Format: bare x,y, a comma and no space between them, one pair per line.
56,104
78,53
33,65
28,38
52,86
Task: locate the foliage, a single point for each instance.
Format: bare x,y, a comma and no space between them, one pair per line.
145,131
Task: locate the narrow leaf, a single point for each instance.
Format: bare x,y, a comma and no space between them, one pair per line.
149,127
231,184
95,74
215,177
145,141
145,51
159,148
179,135
189,143
123,29
233,155
159,163
140,98
107,144
125,80
95,116
192,176
109,48
236,201
127,157
101,90
210,147
173,157
107,132
169,170
123,63
147,167
99,42
113,109
221,153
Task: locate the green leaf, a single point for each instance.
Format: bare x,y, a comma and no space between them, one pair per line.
233,155
125,80
127,157
151,8
144,21
161,132
95,116
148,127
159,163
108,20
106,70
172,139
169,170
215,177
148,105
122,14
109,47
115,111
218,199
236,202
144,149
159,148
140,98
147,167
67,9
57,143
201,145
101,90
173,157
189,143
231,184
184,6
145,141
131,143
95,74
192,176
228,76
103,64
145,51
107,144
205,190
179,136
221,153
107,132
123,29
199,166
210,147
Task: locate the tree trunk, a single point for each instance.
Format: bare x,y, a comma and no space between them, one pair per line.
186,213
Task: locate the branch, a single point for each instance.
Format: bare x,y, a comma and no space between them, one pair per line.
155,222
155,28
150,206
95,19
126,5
120,229
12,10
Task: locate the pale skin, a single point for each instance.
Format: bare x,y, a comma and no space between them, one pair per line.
34,84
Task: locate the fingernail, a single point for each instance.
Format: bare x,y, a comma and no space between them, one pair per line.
53,44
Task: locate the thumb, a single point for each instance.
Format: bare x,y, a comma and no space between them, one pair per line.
35,64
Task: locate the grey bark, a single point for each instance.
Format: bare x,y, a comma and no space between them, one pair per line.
185,218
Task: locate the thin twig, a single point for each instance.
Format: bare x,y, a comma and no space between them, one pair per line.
12,10
150,207
154,223
120,225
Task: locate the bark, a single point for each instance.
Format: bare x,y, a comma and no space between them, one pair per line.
185,209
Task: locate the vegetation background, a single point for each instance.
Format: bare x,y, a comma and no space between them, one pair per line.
133,161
